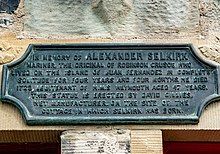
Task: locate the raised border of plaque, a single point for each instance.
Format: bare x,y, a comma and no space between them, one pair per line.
200,102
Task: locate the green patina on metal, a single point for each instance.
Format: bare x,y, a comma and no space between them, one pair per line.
110,83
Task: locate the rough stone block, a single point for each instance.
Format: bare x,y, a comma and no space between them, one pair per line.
56,16
161,15
210,15
104,18
96,142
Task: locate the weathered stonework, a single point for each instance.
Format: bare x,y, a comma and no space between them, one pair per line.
113,19
8,53
110,11
164,15
212,51
5,55
210,15
113,14
210,29
55,16
105,18
6,58
113,142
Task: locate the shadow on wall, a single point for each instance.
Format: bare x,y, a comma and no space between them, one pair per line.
8,6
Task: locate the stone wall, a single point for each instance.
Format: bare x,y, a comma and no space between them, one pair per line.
107,18
129,19
124,20
77,21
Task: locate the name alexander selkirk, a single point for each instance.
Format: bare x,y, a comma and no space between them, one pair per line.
175,56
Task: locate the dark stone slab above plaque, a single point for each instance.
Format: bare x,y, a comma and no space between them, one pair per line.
110,83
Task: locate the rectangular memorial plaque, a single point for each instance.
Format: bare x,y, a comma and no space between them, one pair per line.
110,83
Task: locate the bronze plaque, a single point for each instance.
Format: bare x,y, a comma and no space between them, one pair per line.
110,83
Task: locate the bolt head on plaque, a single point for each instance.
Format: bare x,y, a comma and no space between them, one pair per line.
110,83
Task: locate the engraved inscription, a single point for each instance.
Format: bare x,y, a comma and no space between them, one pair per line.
112,83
